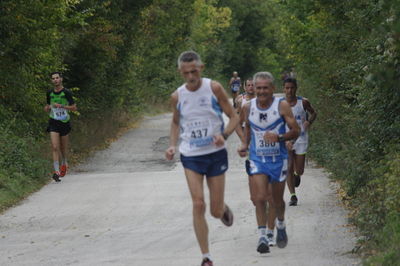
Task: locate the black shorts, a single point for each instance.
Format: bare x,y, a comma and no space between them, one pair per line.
59,127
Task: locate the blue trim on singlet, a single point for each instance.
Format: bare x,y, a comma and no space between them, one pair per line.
218,110
270,127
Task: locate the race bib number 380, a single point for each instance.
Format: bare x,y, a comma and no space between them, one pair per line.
264,148
59,113
199,133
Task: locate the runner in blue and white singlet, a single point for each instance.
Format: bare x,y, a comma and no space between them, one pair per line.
305,115
265,136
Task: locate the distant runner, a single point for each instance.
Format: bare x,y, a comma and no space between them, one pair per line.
197,118
59,103
235,84
305,115
265,136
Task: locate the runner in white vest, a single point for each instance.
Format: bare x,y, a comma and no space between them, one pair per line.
305,115
242,100
197,119
265,136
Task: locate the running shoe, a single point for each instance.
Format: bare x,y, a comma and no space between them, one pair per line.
56,176
281,237
297,180
63,170
270,239
227,218
262,246
293,201
207,262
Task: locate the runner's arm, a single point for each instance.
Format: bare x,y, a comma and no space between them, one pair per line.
246,131
294,129
226,106
309,109
174,130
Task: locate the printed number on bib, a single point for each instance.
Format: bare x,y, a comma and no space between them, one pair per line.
59,113
264,148
199,133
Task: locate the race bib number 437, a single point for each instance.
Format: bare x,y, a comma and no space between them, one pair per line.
199,133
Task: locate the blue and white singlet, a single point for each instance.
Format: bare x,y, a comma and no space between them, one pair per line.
200,120
261,121
300,115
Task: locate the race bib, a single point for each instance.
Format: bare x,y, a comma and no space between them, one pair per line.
264,148
59,113
199,133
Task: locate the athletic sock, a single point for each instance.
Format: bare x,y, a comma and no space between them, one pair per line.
280,224
270,231
262,230
293,194
64,161
207,255
56,166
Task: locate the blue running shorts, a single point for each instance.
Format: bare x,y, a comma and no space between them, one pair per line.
276,171
213,164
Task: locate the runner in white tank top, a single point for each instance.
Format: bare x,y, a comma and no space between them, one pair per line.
197,119
305,115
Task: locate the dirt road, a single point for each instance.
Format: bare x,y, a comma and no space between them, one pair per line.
128,206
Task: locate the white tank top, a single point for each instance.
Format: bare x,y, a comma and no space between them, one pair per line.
261,121
300,115
200,120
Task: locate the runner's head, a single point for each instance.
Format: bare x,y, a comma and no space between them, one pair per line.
249,88
264,85
235,74
290,87
190,67
56,78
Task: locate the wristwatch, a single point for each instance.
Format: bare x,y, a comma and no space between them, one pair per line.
225,136
281,138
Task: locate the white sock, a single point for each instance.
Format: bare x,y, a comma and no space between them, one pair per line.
280,224
262,230
270,231
56,166
64,161
207,255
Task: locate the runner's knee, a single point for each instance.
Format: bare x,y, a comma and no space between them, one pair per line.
199,206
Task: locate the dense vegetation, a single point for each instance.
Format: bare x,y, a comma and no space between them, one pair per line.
120,56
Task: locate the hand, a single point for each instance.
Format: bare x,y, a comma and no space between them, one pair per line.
306,125
219,140
57,105
170,152
47,108
289,145
271,137
242,151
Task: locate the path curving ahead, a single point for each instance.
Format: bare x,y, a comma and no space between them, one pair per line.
128,206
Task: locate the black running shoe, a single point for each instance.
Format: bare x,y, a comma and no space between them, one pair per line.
297,180
293,201
207,262
56,176
227,218
281,237
262,246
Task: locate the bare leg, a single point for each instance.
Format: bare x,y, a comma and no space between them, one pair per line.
195,184
299,161
259,189
55,145
290,173
271,216
216,186
278,190
64,146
